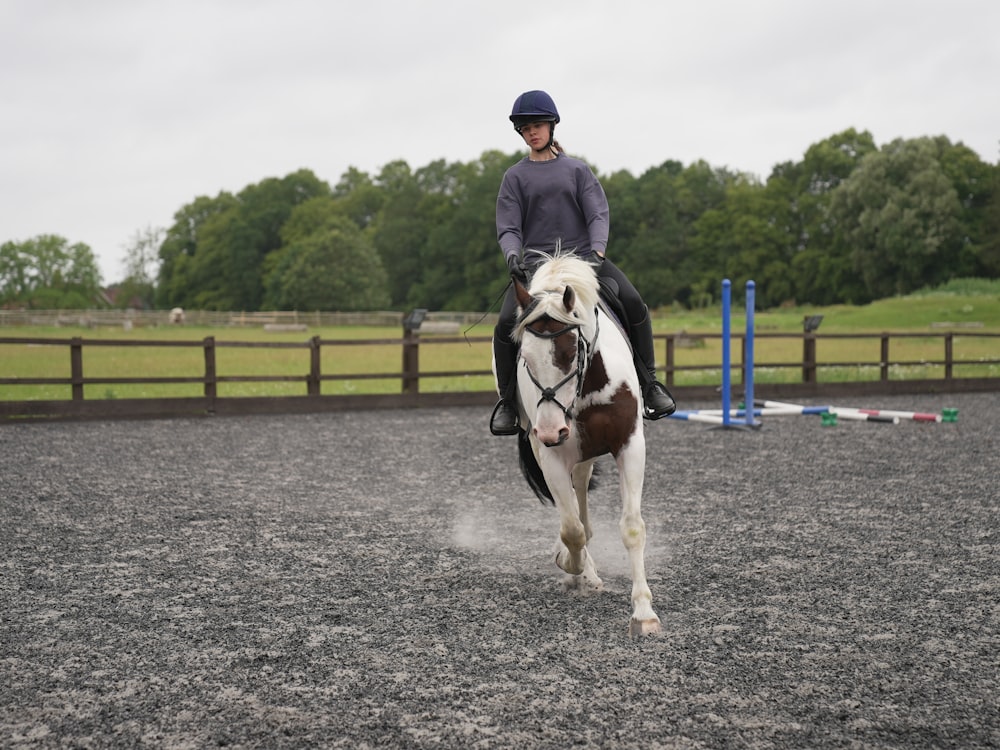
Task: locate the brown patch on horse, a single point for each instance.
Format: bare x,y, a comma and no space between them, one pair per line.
606,428
597,375
564,352
564,348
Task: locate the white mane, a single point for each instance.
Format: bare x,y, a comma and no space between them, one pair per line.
549,283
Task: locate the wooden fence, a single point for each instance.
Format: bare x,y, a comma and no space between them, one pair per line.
288,319
411,375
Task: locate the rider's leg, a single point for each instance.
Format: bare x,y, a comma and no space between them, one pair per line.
504,420
657,401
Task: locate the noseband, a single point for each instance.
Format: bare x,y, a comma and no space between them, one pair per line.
584,354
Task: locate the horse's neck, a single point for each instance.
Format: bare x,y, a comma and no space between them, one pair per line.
614,348
610,323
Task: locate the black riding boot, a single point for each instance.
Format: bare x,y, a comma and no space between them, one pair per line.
656,399
504,420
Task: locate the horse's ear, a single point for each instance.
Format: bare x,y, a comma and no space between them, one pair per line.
569,298
523,297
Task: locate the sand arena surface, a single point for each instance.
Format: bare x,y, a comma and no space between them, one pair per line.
384,579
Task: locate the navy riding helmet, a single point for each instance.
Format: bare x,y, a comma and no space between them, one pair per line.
533,106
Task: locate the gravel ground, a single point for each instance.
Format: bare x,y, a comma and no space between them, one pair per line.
384,579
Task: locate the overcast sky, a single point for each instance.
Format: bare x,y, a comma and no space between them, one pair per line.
116,113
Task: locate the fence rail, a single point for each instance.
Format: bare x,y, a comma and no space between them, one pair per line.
811,365
411,374
128,319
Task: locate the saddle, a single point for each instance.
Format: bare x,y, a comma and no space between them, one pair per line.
612,306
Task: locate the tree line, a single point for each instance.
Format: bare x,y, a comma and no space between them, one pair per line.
849,223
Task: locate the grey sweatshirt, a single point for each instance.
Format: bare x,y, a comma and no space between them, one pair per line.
541,203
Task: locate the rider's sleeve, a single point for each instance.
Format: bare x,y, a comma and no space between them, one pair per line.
509,230
594,203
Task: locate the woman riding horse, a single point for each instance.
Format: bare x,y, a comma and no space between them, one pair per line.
546,201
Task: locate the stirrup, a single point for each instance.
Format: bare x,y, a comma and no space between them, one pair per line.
503,406
654,390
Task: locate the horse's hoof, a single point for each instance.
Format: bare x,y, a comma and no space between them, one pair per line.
583,583
642,628
562,562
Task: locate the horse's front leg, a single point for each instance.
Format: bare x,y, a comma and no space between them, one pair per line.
588,578
571,548
631,467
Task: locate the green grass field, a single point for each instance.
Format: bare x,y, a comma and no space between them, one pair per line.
963,307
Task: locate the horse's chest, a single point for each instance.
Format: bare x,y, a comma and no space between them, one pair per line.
607,427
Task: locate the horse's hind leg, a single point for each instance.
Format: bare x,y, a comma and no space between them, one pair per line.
581,483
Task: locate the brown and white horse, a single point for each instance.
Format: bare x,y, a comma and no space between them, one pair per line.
580,399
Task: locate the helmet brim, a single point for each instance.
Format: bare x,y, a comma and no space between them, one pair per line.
521,120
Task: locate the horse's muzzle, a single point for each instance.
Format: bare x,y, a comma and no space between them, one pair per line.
551,441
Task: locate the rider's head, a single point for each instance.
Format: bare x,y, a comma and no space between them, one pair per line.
534,107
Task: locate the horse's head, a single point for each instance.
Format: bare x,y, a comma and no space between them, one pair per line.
555,330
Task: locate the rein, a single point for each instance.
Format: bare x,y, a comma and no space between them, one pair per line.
584,355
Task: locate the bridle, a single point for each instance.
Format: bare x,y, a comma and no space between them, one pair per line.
584,355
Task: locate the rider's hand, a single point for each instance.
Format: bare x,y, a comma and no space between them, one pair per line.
517,268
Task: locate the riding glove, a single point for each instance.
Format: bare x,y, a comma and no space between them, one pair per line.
517,268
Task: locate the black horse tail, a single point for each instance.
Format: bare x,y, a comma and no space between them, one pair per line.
531,470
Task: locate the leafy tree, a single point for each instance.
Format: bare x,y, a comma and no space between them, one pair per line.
845,223
753,235
358,198
48,272
820,270
463,268
256,231
210,270
333,268
305,219
141,262
227,239
653,224
415,203
989,255
400,228
974,185
900,215
179,280
646,233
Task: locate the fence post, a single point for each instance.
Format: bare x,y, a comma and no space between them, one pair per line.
808,357
312,384
210,377
411,349
411,362
76,367
884,358
949,352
